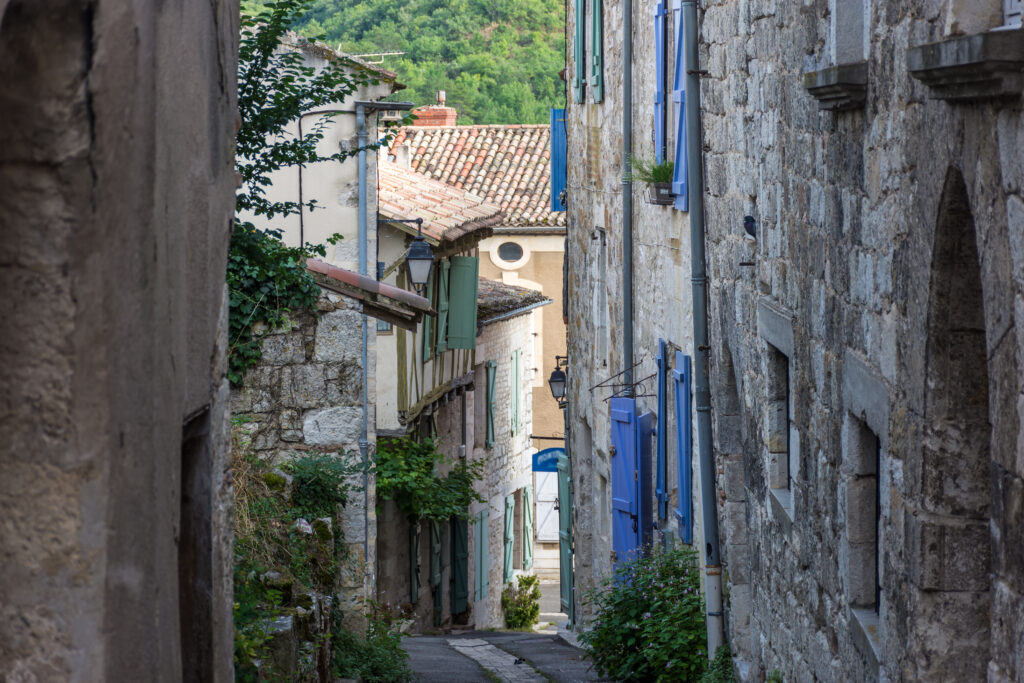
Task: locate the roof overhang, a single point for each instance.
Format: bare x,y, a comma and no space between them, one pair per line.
377,299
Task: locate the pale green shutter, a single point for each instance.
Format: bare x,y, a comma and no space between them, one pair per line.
491,368
462,290
510,511
481,563
460,565
528,527
515,392
442,307
428,328
580,78
597,51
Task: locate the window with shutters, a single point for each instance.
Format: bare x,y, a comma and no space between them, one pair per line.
515,391
491,370
509,537
463,283
597,50
679,168
660,69
579,51
1012,12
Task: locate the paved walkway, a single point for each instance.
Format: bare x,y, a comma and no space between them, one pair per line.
487,656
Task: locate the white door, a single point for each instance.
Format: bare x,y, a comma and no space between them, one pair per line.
547,512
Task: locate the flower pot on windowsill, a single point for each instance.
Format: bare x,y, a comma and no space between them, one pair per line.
660,194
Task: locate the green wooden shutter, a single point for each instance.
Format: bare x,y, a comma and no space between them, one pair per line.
528,527
597,51
460,565
580,38
435,569
510,511
414,562
463,283
428,328
442,307
491,368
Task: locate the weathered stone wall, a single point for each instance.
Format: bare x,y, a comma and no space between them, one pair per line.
116,155
886,275
305,395
661,280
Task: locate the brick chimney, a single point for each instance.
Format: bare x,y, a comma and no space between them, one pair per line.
435,114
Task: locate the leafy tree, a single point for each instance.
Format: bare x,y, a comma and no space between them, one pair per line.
407,473
267,279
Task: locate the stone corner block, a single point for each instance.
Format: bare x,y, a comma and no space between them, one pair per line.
866,395
332,426
775,325
838,87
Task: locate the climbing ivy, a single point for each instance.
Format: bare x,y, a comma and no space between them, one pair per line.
267,279
407,473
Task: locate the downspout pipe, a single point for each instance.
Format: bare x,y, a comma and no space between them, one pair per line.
695,183
364,443
627,194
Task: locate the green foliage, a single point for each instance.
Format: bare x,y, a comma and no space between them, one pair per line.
255,607
320,484
649,619
406,473
522,603
498,60
375,656
774,676
648,171
721,670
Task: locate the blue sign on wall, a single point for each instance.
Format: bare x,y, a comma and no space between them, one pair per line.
547,459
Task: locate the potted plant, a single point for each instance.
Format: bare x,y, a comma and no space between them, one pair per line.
658,177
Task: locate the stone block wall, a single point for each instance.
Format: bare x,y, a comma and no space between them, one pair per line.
305,395
884,272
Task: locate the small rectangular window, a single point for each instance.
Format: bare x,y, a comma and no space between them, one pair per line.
781,435
383,327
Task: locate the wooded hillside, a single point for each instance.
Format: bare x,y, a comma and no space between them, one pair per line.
498,60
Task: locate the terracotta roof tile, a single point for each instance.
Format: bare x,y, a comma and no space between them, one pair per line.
505,164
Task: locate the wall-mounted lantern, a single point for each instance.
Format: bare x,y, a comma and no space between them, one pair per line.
557,381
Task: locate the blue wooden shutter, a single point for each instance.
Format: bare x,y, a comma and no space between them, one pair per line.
462,290
684,514
559,150
491,369
679,188
660,21
645,496
579,80
442,306
661,487
460,565
510,516
528,527
597,51
625,477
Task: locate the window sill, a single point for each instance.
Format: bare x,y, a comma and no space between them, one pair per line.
982,66
867,634
782,505
840,87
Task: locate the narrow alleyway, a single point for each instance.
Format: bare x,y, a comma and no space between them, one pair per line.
485,656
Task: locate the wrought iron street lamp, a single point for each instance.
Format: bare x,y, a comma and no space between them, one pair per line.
557,380
419,260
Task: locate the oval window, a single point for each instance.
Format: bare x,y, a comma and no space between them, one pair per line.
510,252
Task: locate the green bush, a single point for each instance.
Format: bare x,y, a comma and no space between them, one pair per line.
319,483
407,473
648,171
720,670
649,619
522,603
376,657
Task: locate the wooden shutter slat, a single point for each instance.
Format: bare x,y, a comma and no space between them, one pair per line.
491,370
684,514
679,169
510,509
661,486
660,19
578,50
414,562
597,51
442,307
559,150
462,294
528,527
460,565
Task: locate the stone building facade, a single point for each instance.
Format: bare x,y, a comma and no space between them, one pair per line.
866,356
116,155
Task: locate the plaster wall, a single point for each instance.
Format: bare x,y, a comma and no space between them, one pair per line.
116,155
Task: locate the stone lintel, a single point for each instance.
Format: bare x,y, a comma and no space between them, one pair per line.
965,68
775,326
866,395
839,87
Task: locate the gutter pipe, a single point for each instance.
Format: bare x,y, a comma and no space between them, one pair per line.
364,443
627,194
695,182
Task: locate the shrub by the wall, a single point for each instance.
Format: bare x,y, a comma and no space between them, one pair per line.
522,603
649,619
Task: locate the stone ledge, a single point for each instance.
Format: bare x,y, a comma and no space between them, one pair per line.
782,505
982,66
840,87
867,634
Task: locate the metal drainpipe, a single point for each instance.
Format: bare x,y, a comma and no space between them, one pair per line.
364,444
627,194
695,181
